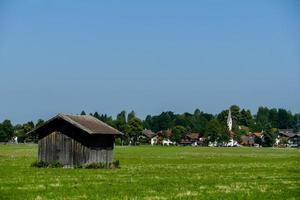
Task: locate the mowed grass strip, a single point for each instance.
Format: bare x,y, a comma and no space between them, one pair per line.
158,173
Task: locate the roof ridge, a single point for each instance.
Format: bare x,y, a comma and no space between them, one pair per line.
80,121
103,123
64,116
95,119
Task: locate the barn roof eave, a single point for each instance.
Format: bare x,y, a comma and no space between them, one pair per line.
69,119
74,123
37,128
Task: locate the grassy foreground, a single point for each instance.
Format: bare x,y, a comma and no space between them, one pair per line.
158,173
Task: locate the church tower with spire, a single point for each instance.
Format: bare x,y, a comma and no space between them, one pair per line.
229,121
232,142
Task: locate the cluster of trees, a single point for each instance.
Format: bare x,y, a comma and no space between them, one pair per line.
213,127
129,124
8,131
174,126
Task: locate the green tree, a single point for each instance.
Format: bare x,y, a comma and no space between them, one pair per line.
163,121
200,120
6,131
82,113
121,124
39,123
184,120
246,118
107,119
222,117
235,114
27,127
285,119
273,117
197,113
135,128
96,115
148,122
214,131
177,133
262,118
269,136
20,133
296,122
130,116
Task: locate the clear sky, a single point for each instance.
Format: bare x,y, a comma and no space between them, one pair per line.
147,56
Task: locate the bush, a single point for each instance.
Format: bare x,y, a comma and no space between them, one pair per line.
39,164
43,164
56,164
115,164
95,166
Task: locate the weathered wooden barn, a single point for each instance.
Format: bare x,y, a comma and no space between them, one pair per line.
75,140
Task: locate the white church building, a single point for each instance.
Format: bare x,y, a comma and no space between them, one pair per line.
231,142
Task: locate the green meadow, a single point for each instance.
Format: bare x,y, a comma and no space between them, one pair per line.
157,173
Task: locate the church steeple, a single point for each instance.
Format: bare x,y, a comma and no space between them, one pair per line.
229,120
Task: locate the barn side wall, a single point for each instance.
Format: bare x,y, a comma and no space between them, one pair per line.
69,152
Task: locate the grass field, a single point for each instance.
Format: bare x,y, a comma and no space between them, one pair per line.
158,173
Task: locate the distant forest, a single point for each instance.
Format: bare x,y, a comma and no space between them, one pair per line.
174,126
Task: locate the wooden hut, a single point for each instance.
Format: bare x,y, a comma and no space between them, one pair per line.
75,140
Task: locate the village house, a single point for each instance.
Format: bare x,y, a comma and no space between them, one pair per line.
151,137
75,140
294,141
249,139
157,138
288,138
193,139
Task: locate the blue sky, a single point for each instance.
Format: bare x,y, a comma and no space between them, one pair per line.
147,56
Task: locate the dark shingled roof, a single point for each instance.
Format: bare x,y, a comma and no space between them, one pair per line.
287,132
87,123
149,133
194,136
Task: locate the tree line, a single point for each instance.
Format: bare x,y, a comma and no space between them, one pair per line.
174,126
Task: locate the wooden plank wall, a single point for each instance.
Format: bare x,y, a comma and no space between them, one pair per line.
59,147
